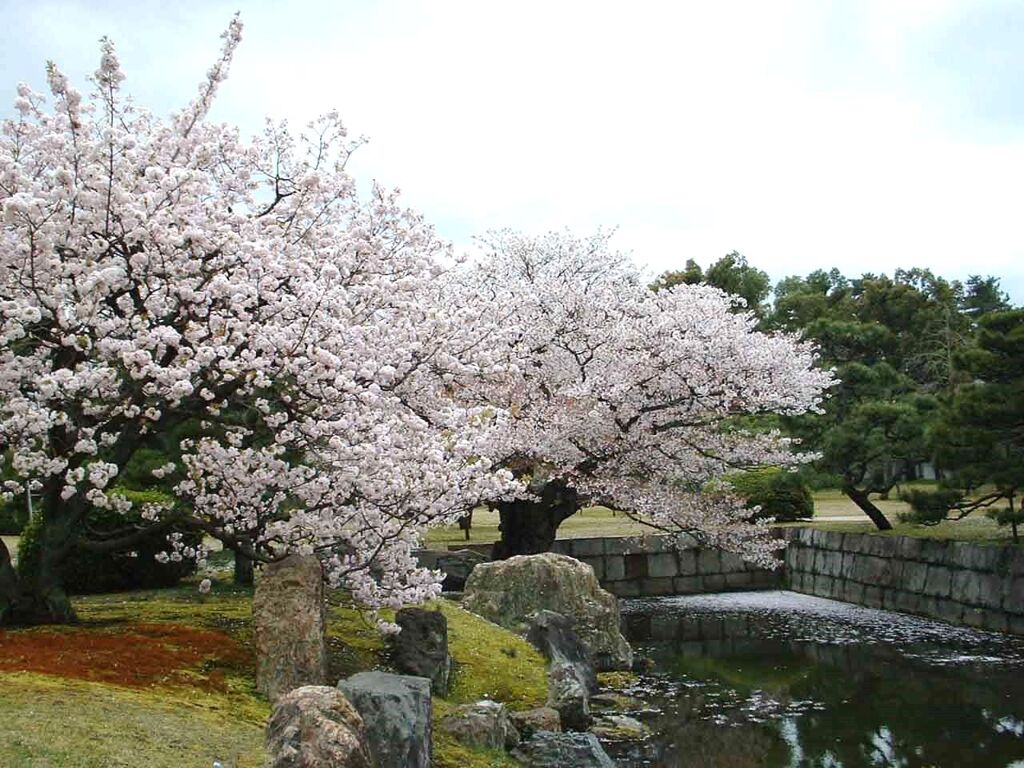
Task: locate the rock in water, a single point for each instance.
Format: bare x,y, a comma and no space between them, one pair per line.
397,711
288,623
561,750
533,720
508,591
610,728
421,648
483,724
315,726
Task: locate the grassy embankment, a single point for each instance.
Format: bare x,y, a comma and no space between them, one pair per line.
165,678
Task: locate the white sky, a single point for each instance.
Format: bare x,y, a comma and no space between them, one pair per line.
862,135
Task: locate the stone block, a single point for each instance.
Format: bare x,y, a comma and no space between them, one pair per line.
687,562
854,592
872,596
732,563
909,548
614,567
938,581
832,563
687,585
709,561
597,563
933,551
905,602
1013,561
974,556
664,564
764,579
823,585
1012,588
617,546
686,541
658,587
583,548
738,581
624,588
1015,625
947,610
914,576
996,621
714,582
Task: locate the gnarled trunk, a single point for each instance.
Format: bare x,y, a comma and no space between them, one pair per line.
244,570
8,585
862,500
529,526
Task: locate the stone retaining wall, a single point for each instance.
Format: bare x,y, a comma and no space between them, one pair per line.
648,566
962,583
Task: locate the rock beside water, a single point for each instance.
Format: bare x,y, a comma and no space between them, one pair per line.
562,750
509,591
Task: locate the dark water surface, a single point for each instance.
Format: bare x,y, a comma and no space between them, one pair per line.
783,680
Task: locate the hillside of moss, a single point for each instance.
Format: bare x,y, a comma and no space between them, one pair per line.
166,678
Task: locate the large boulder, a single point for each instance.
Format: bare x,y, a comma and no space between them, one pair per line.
421,648
288,624
397,712
315,726
508,591
483,724
560,750
529,721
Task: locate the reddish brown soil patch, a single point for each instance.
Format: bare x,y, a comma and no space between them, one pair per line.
133,655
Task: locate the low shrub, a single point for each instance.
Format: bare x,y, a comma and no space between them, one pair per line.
779,494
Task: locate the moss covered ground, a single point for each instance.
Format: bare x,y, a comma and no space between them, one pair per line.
165,678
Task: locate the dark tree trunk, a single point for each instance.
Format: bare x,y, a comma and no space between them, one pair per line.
529,527
244,570
41,597
862,500
8,585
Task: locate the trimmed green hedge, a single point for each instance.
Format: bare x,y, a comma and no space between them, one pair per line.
782,495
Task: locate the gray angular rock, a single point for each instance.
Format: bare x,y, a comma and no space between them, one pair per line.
568,693
619,728
482,724
561,750
457,566
530,721
507,592
396,710
421,648
315,726
552,634
289,614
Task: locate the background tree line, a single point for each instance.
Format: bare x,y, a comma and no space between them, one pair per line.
931,380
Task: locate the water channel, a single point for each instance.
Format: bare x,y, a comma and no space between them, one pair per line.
783,680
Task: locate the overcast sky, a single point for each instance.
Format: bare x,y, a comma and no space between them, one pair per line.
862,135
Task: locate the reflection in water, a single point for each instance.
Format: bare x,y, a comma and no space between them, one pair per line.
781,680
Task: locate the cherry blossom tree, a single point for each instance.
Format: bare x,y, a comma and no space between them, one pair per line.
160,273
636,399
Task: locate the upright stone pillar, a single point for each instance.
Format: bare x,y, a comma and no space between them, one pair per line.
289,621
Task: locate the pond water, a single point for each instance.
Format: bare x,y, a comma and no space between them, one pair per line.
783,680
